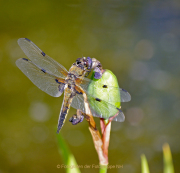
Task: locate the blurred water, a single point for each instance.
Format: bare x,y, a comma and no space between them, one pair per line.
139,41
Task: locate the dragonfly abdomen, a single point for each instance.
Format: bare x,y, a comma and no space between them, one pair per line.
62,118
68,97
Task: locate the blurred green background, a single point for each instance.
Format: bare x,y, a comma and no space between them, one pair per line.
138,40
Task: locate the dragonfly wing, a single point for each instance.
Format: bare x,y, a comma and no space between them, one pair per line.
41,78
78,102
124,95
103,109
38,57
95,104
120,117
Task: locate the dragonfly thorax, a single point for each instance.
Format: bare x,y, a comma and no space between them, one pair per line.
71,76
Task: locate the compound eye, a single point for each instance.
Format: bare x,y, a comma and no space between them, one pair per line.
78,61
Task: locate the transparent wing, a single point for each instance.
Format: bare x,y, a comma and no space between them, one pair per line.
103,109
41,78
38,57
99,108
124,95
78,102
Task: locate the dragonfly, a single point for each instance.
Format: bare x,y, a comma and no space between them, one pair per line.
52,78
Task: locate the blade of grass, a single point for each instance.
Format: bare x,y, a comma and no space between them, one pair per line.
167,157
103,168
67,156
144,164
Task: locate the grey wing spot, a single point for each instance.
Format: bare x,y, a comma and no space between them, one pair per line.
105,86
43,80
43,70
27,39
43,54
97,99
57,81
40,58
25,59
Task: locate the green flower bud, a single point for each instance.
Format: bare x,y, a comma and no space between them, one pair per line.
106,89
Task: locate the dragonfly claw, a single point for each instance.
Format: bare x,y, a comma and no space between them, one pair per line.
75,119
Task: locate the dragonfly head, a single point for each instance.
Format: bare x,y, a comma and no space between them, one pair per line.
88,64
85,62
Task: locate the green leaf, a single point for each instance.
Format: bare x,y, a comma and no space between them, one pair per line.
144,164
68,158
168,163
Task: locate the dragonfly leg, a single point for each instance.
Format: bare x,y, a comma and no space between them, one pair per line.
77,118
82,114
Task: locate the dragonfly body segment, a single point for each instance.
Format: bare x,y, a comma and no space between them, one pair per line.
52,78
75,72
